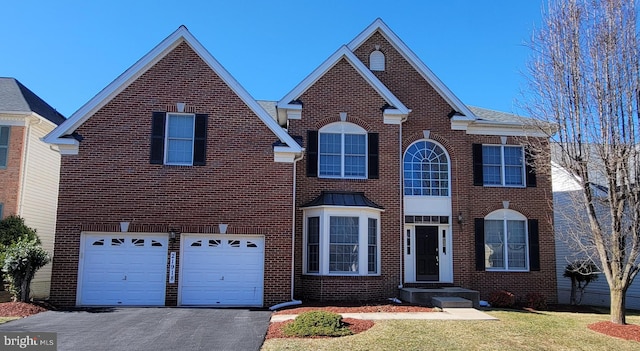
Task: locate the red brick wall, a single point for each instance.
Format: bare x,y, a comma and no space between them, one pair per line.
429,112
111,179
343,90
10,176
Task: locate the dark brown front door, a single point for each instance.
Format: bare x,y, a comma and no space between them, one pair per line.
427,268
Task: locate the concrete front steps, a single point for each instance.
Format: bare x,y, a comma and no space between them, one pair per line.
444,297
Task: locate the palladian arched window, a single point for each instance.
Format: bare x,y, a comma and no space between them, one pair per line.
426,170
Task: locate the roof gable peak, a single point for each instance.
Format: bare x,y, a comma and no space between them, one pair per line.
179,36
344,53
379,26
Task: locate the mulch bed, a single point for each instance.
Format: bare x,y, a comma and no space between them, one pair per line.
354,307
355,325
627,332
19,309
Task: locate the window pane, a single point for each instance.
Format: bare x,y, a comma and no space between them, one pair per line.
4,136
343,244
513,155
179,147
313,244
179,151
494,240
330,154
4,146
3,156
355,144
354,166
514,165
516,244
492,164
180,126
513,175
373,246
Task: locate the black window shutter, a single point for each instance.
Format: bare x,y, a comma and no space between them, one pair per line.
157,137
200,140
480,251
374,158
477,164
530,169
312,153
534,246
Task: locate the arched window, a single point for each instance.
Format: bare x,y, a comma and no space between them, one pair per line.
506,241
426,170
376,61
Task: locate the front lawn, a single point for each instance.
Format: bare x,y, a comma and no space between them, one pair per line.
516,330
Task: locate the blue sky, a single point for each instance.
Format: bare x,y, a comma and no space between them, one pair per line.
67,51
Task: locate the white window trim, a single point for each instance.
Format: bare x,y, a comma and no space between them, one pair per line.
343,128
505,215
448,170
166,139
325,213
503,167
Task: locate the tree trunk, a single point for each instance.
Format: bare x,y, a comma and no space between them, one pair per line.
618,312
572,299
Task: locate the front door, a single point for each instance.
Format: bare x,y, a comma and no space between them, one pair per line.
427,268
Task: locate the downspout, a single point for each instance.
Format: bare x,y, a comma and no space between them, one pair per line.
400,153
293,243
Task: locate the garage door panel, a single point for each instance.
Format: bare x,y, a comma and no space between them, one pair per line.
121,269
222,270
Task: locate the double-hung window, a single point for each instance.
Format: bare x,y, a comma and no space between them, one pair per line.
342,242
342,151
178,139
507,241
503,165
4,146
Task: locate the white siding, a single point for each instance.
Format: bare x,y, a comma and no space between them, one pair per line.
565,218
39,198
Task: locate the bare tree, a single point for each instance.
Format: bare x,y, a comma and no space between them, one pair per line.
584,78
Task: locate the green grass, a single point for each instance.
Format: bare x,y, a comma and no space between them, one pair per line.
516,330
6,319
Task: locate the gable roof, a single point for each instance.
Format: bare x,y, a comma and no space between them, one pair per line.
344,53
379,26
16,98
60,135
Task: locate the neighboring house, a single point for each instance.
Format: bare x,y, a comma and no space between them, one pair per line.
569,216
176,148
29,168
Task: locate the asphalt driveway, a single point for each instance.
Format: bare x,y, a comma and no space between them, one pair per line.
150,328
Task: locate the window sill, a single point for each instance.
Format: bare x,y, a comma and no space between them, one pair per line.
336,275
508,270
504,186
342,178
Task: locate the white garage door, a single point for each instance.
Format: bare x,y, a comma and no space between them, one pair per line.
222,270
119,270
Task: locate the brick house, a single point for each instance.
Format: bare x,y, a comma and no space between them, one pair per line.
177,188
29,168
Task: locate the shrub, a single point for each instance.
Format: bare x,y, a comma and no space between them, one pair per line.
12,230
317,323
22,261
502,299
537,301
581,274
